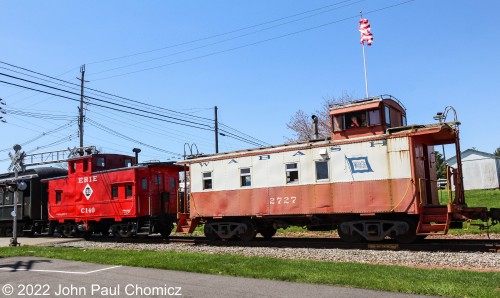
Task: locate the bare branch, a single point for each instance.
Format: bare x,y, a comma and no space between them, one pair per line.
301,123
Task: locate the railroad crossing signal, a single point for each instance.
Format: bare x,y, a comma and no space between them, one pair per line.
17,158
18,166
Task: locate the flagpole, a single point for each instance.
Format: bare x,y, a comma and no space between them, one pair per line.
364,62
366,77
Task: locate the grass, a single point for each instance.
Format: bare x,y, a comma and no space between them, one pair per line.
453,283
476,198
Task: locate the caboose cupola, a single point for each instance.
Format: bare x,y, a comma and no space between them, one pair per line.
372,116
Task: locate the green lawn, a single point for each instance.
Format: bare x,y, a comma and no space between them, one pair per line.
476,198
453,283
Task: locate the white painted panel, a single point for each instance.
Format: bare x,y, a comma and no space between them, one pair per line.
364,161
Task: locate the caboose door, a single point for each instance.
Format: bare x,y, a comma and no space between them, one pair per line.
424,170
168,195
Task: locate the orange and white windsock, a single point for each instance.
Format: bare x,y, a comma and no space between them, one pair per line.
364,29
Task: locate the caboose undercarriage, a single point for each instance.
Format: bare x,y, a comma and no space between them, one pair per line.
404,228
351,228
125,228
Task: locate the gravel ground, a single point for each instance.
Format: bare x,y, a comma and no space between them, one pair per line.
478,261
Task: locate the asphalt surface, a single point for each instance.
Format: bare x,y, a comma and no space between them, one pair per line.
23,241
33,276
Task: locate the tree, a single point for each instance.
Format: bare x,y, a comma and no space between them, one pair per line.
497,152
440,166
302,125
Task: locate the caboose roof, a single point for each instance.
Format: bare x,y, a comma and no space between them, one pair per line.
366,104
440,133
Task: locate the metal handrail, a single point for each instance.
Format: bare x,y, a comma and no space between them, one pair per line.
433,180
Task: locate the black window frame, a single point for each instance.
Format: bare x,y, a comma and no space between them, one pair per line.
207,180
59,196
100,162
387,115
245,177
129,192
325,162
292,173
115,192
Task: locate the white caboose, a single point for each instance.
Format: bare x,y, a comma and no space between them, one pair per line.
374,178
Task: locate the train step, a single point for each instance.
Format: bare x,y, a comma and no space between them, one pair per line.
428,218
435,210
186,225
433,228
434,220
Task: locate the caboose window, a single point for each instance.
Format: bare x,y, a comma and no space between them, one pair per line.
144,183
322,170
245,177
158,179
292,173
172,183
8,198
1,196
207,180
100,162
403,120
128,163
387,115
58,196
85,165
374,117
337,123
128,190
114,191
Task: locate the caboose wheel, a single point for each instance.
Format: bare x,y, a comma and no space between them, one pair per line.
249,233
166,229
411,235
350,238
267,232
124,232
67,230
210,234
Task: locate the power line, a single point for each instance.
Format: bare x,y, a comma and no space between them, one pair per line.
225,40
151,128
42,135
102,92
217,35
191,123
130,100
251,44
39,115
115,133
186,122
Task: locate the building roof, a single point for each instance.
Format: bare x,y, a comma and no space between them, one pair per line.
469,152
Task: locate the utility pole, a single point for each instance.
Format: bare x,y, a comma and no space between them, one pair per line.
216,131
81,117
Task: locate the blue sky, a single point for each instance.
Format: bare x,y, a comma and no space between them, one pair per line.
292,54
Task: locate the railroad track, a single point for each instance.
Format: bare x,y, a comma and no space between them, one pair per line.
456,245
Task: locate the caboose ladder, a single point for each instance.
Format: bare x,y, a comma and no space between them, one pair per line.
434,220
186,225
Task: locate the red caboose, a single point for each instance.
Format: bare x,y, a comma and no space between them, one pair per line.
109,193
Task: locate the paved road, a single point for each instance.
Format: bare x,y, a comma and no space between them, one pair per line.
5,241
32,275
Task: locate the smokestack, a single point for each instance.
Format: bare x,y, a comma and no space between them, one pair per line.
315,125
136,151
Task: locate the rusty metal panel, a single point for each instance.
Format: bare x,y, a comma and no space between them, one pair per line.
348,197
